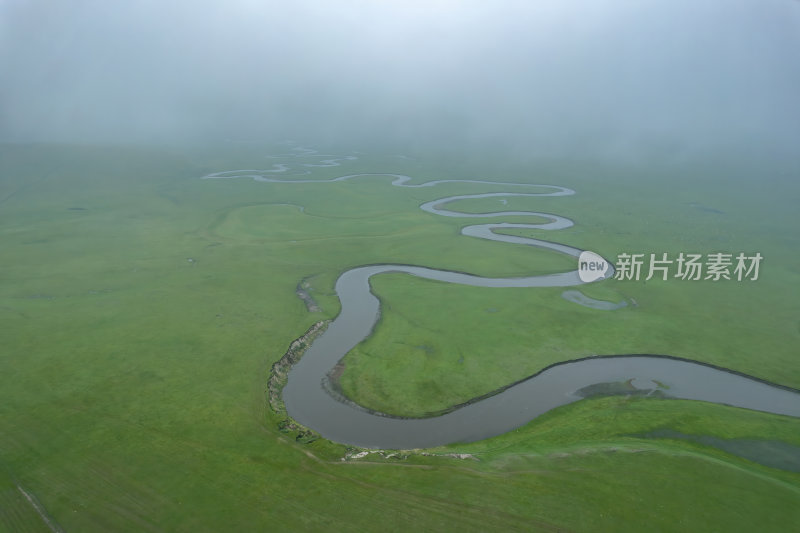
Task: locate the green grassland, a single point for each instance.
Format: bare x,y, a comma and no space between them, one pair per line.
439,344
141,308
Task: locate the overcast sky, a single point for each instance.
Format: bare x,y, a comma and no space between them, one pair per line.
555,76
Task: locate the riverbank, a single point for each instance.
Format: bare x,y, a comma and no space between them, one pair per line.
278,375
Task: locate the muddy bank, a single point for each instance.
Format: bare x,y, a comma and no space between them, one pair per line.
278,375
303,292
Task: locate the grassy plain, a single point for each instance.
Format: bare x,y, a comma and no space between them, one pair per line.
439,345
141,307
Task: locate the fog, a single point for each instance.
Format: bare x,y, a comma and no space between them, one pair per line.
550,77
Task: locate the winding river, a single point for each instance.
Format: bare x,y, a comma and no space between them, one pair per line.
309,402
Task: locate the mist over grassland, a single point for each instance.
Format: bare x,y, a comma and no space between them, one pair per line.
622,80
142,307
